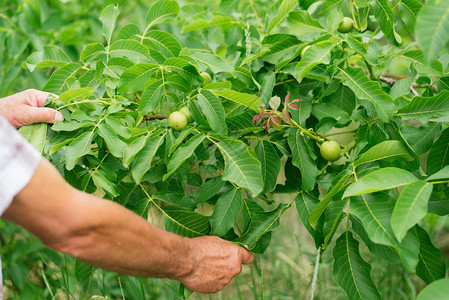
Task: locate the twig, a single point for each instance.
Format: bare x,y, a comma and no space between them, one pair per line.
155,117
391,80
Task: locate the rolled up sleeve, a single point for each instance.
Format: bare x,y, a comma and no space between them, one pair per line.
18,162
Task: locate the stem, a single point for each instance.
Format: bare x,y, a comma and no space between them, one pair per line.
324,169
155,117
307,132
356,9
372,36
370,69
315,272
255,14
83,101
352,13
437,182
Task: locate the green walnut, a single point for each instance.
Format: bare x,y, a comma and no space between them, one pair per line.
206,77
330,151
177,120
185,110
346,25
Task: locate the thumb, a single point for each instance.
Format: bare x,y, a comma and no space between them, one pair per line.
43,115
246,256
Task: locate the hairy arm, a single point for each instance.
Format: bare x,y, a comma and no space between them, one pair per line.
105,234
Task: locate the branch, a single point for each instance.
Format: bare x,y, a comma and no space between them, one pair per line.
388,79
155,117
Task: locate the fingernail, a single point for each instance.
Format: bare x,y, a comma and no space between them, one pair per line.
58,116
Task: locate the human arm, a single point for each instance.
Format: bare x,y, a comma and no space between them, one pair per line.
26,108
104,234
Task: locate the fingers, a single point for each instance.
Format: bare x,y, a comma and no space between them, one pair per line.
42,114
37,98
246,256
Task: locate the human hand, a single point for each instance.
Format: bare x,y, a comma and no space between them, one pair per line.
215,263
25,108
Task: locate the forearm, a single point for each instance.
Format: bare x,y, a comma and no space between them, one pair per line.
105,234
111,237
97,231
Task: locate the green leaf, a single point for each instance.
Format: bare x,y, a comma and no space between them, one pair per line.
270,163
209,189
329,5
422,109
322,206
305,203
91,51
226,211
183,67
327,110
77,148
350,271
76,94
251,101
178,199
185,223
385,150
183,153
284,9
143,160
410,207
130,49
388,253
431,265
374,211
128,31
422,138
181,137
36,135
160,11
134,148
436,290
215,62
114,143
83,274
266,88
105,184
383,179
409,10
163,42
432,28
134,78
51,56
440,175
216,21
385,17
364,88
318,53
118,126
415,59
108,17
57,82
261,223
241,166
302,159
409,251
439,154
214,111
152,97
301,23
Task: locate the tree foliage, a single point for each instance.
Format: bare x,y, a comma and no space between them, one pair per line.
246,144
